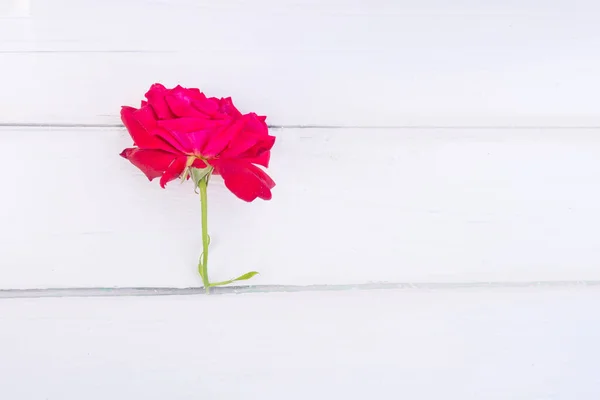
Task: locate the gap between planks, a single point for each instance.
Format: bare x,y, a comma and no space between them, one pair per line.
470,127
168,291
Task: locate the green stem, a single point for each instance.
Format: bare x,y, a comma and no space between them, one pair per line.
203,265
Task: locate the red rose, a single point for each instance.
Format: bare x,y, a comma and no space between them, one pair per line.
181,128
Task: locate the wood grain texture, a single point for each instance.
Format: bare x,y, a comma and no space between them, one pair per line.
469,345
351,206
14,9
308,62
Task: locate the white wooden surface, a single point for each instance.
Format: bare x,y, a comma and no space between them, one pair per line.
463,345
352,205
310,62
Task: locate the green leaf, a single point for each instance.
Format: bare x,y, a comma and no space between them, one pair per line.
244,277
199,174
200,261
185,174
200,265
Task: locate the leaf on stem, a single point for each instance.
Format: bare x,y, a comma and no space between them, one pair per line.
199,174
200,266
244,277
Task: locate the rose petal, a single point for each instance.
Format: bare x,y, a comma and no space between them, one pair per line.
251,141
249,148
186,125
190,143
174,171
245,180
140,123
198,163
196,94
263,146
226,107
261,159
153,163
210,106
180,103
198,141
221,137
256,125
156,98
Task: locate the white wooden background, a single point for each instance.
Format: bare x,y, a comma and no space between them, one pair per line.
451,145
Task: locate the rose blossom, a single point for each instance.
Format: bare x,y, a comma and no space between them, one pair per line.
178,129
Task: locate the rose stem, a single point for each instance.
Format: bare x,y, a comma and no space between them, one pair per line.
203,266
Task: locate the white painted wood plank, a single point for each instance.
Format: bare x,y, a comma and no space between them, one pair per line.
383,63
523,345
14,9
351,206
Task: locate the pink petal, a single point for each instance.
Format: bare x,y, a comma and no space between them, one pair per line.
209,106
260,152
140,123
251,142
186,125
195,94
261,159
245,180
180,102
174,171
198,163
256,124
226,106
153,163
190,143
198,141
156,98
220,139
175,140
254,151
